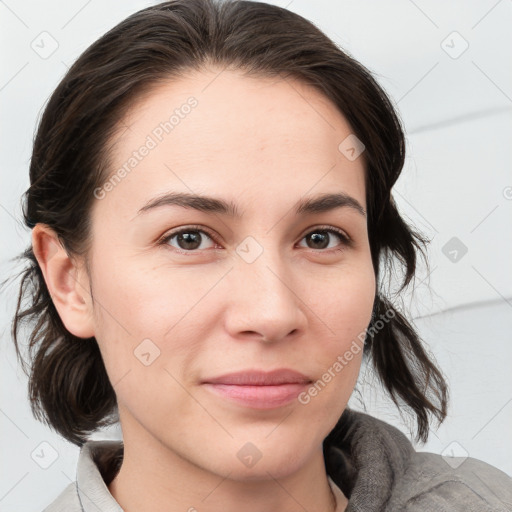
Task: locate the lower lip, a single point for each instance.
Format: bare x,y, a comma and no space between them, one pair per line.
259,397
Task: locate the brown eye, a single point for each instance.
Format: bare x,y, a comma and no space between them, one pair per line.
320,239
187,240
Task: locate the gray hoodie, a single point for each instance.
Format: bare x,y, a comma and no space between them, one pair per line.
372,462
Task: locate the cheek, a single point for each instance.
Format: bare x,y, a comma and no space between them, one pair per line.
144,300
146,314
345,313
346,303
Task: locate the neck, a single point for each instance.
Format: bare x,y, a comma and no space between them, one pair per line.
154,478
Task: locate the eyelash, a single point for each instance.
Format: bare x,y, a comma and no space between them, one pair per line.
346,241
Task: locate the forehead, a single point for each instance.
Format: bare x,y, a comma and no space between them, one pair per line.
221,131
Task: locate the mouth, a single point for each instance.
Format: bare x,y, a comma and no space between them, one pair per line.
258,389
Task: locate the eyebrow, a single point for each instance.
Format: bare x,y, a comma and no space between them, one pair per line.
317,204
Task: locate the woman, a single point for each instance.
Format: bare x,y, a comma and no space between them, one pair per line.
211,209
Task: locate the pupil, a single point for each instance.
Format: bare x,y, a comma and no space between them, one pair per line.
320,237
187,239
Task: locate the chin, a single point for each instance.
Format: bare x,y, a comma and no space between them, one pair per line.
257,461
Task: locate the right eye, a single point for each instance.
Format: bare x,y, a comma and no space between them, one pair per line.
188,240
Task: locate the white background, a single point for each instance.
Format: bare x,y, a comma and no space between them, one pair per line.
456,106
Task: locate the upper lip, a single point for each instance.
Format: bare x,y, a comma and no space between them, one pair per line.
260,378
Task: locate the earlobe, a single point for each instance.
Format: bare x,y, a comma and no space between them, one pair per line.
67,283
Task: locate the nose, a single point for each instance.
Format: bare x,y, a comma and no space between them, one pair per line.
265,302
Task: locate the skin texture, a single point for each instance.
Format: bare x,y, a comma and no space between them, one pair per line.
264,144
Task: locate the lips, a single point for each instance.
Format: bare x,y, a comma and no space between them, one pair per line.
257,389
260,378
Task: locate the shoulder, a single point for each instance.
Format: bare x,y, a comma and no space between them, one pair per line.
376,465
98,462
433,482
67,501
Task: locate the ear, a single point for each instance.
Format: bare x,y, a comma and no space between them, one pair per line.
67,282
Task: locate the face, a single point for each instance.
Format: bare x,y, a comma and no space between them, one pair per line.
184,294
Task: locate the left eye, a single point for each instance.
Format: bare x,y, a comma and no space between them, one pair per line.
190,239
322,236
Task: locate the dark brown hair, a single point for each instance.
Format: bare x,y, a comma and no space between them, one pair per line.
69,388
